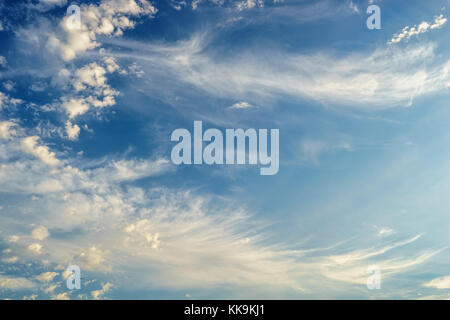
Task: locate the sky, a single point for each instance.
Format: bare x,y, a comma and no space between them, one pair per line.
86,177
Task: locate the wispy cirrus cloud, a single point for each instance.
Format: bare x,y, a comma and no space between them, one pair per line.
386,77
310,150
180,236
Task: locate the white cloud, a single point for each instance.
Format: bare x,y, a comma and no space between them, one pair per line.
386,231
107,100
66,274
61,296
181,238
439,283
3,61
108,18
38,87
40,233
11,260
408,32
191,243
62,78
136,70
30,145
240,105
9,85
357,272
237,4
92,75
13,239
35,248
46,276
384,78
352,267
96,294
30,176
111,64
72,131
248,4
7,129
15,283
6,101
75,107
123,170
141,232
93,258
353,6
91,81
178,4
366,254
51,288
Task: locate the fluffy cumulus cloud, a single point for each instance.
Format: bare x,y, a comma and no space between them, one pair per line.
96,294
46,276
91,75
61,296
87,86
75,107
31,145
90,89
72,130
43,172
51,288
7,129
439,283
40,233
408,32
108,18
35,248
92,258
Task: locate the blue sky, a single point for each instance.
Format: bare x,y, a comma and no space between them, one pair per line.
86,178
